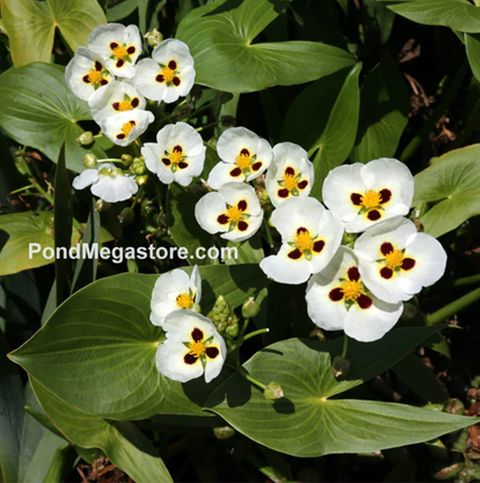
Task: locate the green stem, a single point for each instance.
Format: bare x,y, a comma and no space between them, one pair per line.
444,104
244,328
345,346
269,233
461,282
255,333
201,128
454,307
248,377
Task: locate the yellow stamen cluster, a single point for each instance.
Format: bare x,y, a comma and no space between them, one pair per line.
175,156
168,74
289,182
184,301
234,214
243,160
127,127
371,199
303,240
125,106
120,52
95,76
352,289
394,259
197,349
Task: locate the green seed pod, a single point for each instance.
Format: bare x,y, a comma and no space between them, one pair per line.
127,160
102,206
85,138
273,391
224,432
454,406
232,331
154,37
126,216
141,180
340,366
250,308
89,160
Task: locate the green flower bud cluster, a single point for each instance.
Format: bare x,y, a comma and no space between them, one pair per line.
224,318
138,166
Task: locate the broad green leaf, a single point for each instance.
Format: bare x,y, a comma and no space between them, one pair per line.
28,228
97,351
121,10
31,26
456,14
11,416
472,44
38,110
249,251
220,37
384,107
381,17
451,185
324,117
307,422
184,228
121,442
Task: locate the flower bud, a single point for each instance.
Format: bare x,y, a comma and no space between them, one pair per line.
454,406
340,366
224,432
227,121
184,109
225,97
232,331
102,206
141,180
349,239
127,160
317,334
273,391
250,308
126,216
263,195
153,37
85,138
89,160
138,166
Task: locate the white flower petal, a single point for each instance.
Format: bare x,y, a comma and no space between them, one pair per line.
170,362
196,285
114,188
153,155
254,223
283,269
213,367
173,49
180,324
220,175
234,193
85,178
86,73
145,73
207,210
125,127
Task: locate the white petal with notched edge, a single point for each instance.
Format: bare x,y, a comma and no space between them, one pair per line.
107,182
86,73
193,347
364,195
123,128
291,173
118,45
233,211
396,262
168,75
244,155
310,237
173,291
337,300
113,98
178,155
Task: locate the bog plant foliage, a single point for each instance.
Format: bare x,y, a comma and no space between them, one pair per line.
314,199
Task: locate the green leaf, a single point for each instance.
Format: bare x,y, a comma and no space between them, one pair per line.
451,185
38,110
31,26
384,107
307,422
11,416
472,44
325,117
97,351
249,251
456,14
220,37
121,442
184,228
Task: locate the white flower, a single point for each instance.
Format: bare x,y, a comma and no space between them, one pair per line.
124,127
290,174
361,195
337,299
107,182
193,347
396,262
178,155
234,211
114,98
173,291
168,75
310,234
86,73
120,46
244,156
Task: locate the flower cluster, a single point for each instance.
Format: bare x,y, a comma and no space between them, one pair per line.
359,290
193,347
